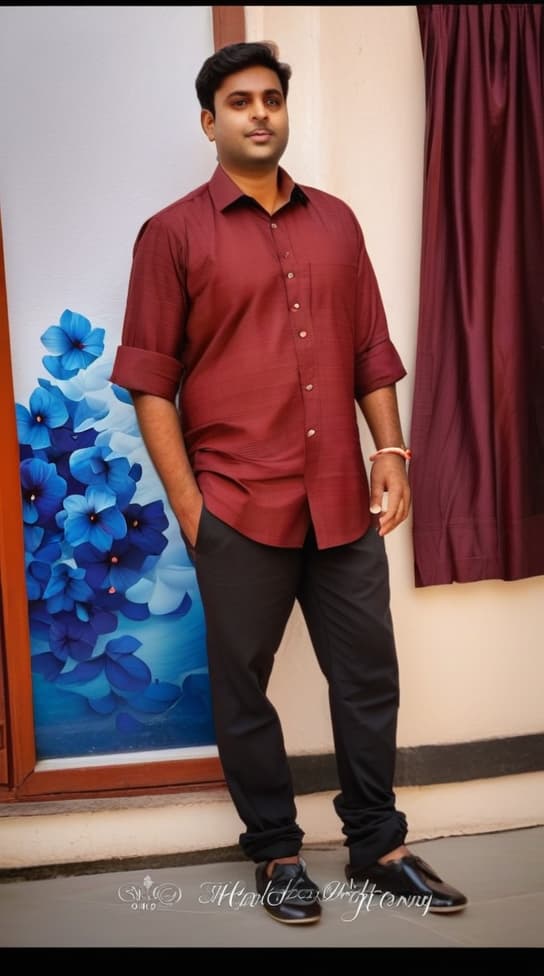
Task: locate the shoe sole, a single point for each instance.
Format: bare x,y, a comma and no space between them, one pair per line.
448,911
294,921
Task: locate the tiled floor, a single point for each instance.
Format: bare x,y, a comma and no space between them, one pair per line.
209,905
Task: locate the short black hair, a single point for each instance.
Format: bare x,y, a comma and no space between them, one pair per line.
235,57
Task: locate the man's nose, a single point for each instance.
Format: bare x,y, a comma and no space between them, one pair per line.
259,110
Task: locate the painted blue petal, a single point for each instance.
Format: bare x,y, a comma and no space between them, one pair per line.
87,412
41,571
100,498
135,611
54,366
25,423
123,577
113,522
79,590
30,513
40,438
47,665
121,394
33,589
94,343
56,340
33,537
103,622
122,645
83,672
129,674
49,552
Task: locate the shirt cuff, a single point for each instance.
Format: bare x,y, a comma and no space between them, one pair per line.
147,372
378,367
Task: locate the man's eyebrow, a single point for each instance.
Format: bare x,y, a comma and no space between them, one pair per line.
267,91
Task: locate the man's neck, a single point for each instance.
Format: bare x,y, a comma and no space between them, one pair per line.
263,187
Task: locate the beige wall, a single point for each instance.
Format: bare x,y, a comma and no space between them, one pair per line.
470,654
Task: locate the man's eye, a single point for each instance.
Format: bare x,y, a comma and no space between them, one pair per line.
240,102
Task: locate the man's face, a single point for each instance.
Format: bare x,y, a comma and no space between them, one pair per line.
251,126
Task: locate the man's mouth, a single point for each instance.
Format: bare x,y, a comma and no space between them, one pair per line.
259,134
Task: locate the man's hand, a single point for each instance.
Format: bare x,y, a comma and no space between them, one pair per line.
388,474
189,519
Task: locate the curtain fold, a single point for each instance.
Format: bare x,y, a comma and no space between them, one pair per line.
477,429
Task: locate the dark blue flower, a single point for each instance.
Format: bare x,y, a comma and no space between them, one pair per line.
74,344
70,637
47,411
66,588
38,563
145,524
118,567
37,577
43,490
93,517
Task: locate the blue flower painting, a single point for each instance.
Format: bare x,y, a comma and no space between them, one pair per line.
116,623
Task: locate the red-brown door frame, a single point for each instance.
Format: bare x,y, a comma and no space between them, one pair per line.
24,781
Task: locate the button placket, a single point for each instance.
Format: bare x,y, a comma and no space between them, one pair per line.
297,297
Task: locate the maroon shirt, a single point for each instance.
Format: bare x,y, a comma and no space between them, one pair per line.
269,329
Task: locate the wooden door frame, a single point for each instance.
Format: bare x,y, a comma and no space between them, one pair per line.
24,781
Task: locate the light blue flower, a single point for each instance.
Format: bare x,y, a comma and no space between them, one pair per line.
47,411
73,343
99,467
93,517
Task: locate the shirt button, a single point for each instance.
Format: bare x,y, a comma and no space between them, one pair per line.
311,432
309,387
296,305
274,226
290,275
303,334
286,254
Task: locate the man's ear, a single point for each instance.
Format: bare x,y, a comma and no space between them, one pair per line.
207,122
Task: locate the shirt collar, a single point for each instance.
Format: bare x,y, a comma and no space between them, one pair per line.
224,191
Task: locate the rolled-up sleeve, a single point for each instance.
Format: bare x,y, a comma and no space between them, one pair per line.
148,360
377,362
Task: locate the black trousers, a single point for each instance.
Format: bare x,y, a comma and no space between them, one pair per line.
248,591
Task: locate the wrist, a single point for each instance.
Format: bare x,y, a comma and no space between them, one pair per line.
403,452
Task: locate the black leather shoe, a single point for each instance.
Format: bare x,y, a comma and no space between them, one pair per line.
289,895
409,877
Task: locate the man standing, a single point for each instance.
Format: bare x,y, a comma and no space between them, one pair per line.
253,325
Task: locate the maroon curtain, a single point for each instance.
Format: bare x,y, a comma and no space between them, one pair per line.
477,428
